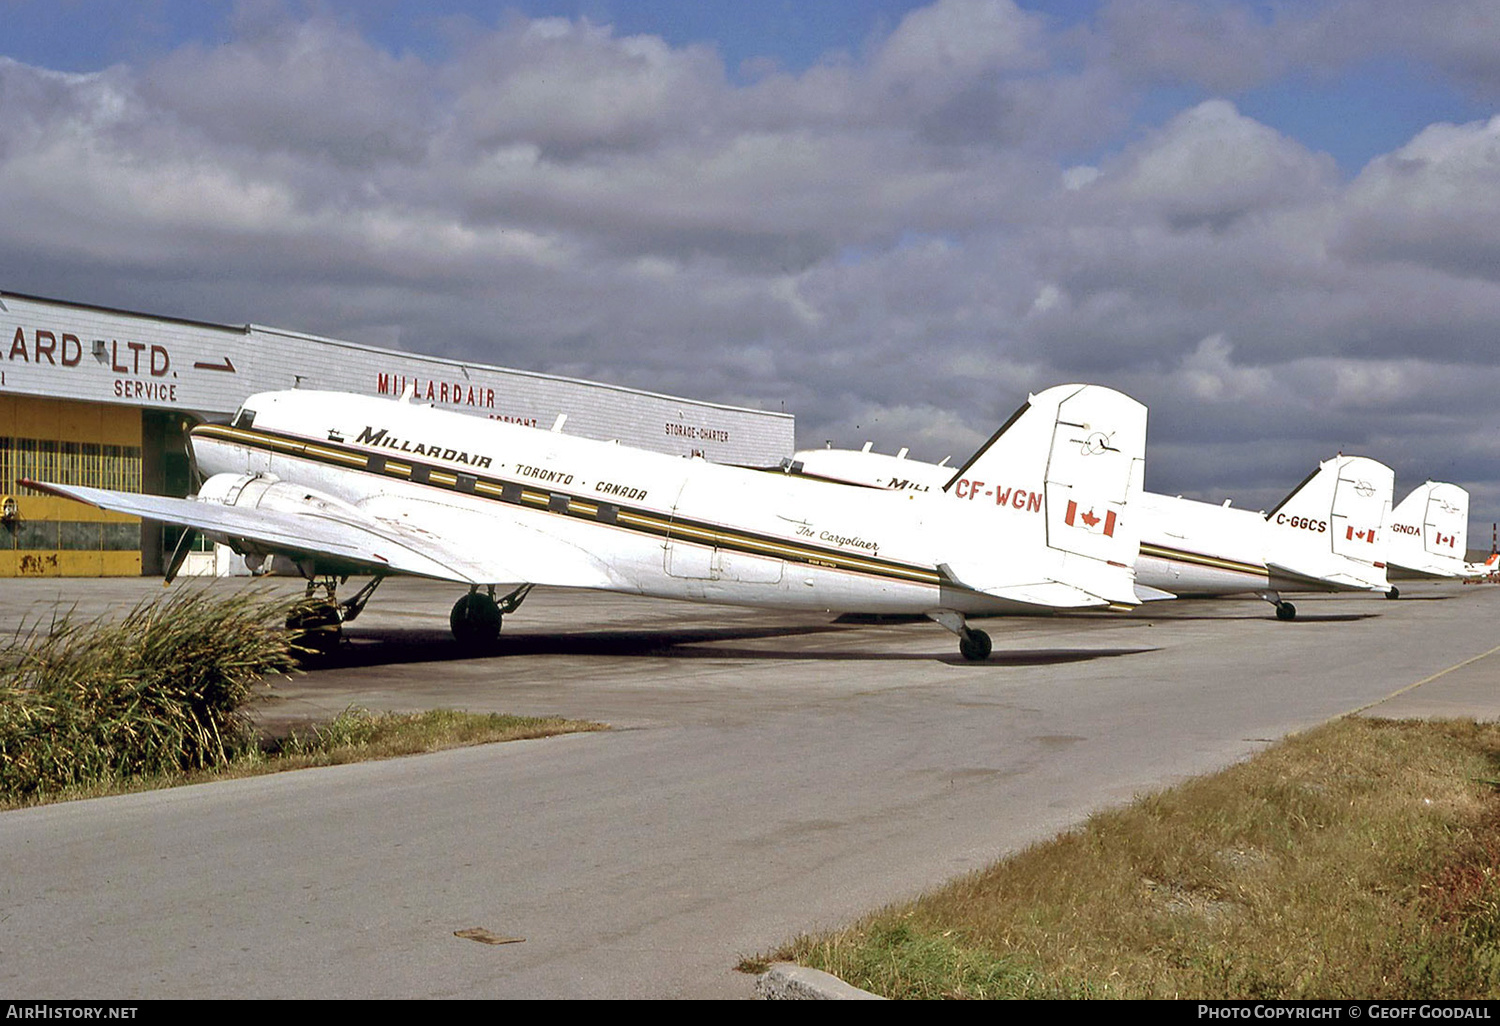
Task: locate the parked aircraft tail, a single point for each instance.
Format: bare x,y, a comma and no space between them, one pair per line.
1072,454
1488,569
1329,532
1428,531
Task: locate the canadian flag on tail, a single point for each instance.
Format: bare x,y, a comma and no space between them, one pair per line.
1089,521
1362,535
1446,539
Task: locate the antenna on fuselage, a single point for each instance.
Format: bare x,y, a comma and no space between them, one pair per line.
409,391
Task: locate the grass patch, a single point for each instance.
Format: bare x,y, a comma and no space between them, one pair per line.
160,691
160,698
1358,860
358,735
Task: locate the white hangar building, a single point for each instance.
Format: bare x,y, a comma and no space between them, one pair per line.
103,397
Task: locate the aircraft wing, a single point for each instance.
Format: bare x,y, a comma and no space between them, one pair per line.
357,541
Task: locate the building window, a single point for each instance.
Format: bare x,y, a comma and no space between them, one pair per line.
78,463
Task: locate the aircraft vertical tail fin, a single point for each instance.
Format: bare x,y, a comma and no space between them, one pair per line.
1428,531
1330,530
1073,454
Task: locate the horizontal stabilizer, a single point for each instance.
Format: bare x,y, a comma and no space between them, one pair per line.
1146,593
1285,578
1044,594
1048,594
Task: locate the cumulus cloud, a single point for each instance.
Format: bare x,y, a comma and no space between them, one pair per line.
305,88
1433,202
1226,46
1211,166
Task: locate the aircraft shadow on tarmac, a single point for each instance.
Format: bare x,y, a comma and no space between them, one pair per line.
1300,618
397,645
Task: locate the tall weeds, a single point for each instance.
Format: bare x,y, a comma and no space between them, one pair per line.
1360,859
157,692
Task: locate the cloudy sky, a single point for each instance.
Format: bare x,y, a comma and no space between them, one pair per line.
1277,224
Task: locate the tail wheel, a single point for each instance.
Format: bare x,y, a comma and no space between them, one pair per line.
1285,611
475,620
1394,593
974,645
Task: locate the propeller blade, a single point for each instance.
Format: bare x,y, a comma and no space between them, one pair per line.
180,554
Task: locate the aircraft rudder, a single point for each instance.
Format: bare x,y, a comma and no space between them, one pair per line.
1096,462
1361,507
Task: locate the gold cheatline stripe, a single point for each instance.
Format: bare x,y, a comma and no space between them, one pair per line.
825,556
340,456
625,516
672,528
1215,562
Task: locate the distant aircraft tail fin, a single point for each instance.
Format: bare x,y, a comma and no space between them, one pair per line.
1073,454
1330,529
1428,531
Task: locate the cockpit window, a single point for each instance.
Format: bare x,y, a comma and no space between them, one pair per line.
243,418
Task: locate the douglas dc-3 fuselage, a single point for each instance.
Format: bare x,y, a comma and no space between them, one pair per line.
351,485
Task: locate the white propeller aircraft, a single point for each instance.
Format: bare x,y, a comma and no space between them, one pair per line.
866,467
350,485
1325,536
1428,532
1488,569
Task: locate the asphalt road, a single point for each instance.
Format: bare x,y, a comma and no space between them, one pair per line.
768,774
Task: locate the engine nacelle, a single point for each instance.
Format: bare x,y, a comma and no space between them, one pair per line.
268,492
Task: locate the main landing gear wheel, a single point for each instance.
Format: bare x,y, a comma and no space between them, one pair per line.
1285,611
476,620
476,617
1394,593
974,645
316,625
